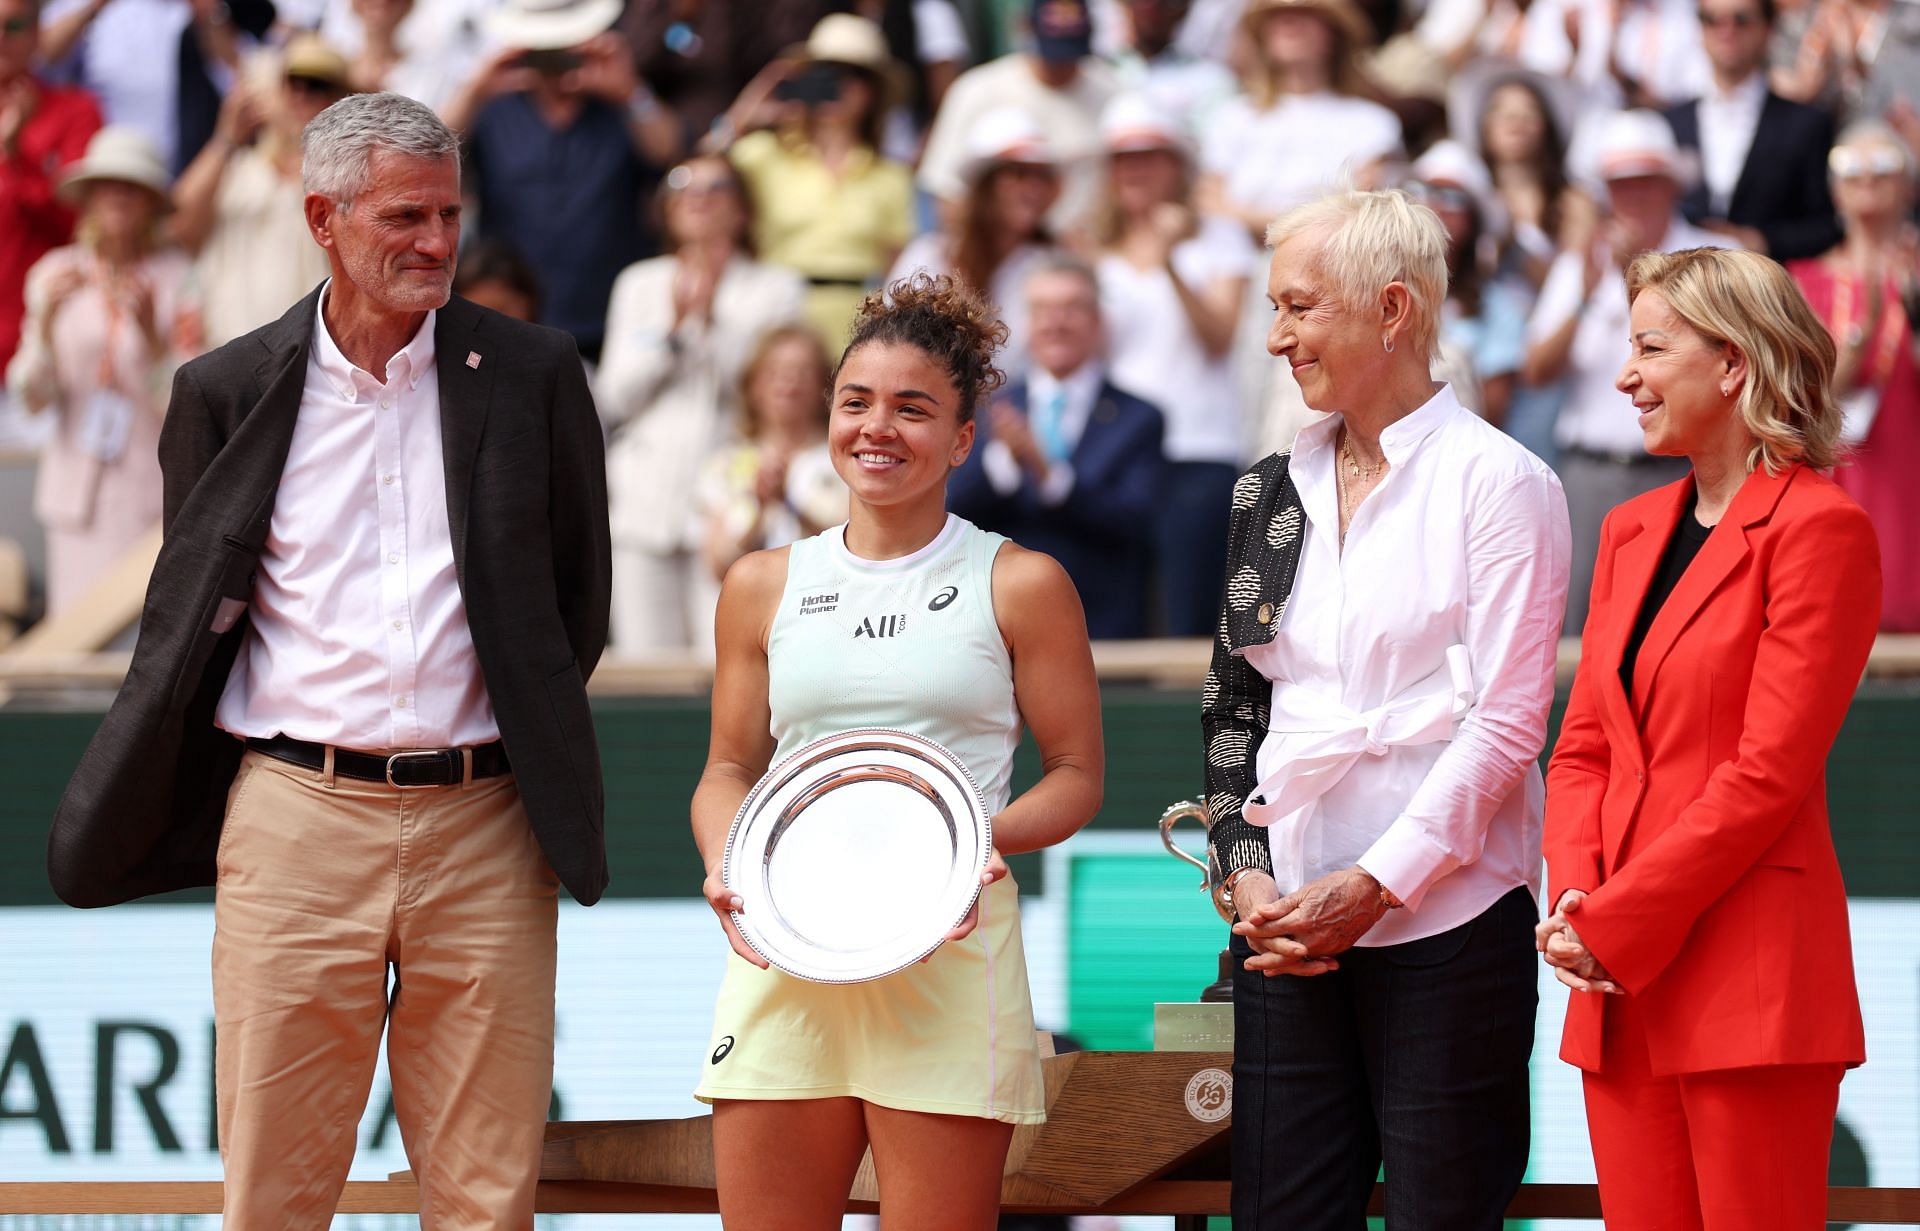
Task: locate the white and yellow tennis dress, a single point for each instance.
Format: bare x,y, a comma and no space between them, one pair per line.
911,644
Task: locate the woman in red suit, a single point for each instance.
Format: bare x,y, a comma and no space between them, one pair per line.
1698,899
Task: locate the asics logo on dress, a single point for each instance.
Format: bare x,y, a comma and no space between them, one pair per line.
720,1052
944,599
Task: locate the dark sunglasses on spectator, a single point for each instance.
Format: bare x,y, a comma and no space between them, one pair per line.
1740,20
313,85
1852,162
14,26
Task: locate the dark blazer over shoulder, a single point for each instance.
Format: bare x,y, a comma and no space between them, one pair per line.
1782,191
527,506
1102,533
1263,551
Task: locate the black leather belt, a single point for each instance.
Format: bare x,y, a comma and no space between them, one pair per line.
412,767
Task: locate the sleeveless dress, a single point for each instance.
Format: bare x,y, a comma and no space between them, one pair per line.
911,644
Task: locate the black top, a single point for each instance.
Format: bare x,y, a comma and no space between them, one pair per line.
1681,549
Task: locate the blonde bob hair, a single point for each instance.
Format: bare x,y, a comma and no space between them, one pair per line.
1369,240
1750,302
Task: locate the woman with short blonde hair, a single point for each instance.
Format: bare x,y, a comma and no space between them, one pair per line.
1732,614
1372,786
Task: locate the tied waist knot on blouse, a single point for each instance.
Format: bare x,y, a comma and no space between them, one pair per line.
1314,739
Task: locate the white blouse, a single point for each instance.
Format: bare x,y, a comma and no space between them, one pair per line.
1412,673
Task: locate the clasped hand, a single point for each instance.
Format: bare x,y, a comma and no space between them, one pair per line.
1573,964
1302,932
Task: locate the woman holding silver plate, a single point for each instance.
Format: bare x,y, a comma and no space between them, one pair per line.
1373,717
908,618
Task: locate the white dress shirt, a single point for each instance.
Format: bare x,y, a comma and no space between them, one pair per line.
670,393
1074,394
1302,147
1594,415
1728,121
359,634
1157,354
1412,672
130,61
1070,118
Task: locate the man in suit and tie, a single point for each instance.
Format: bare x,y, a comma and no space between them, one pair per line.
358,703
1763,159
1066,463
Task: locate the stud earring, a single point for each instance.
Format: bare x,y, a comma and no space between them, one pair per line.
1726,391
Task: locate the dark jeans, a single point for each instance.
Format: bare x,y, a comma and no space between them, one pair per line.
1413,1054
1190,545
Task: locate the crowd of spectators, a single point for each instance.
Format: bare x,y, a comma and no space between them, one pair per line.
702,191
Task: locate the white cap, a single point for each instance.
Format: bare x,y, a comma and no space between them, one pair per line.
1005,134
1131,124
1636,143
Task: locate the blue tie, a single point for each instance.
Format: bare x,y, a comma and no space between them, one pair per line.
1052,426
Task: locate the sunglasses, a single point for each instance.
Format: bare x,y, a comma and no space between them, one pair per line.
1738,21
1441,196
681,180
13,27
1855,162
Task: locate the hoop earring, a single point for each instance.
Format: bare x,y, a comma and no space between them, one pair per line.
1388,343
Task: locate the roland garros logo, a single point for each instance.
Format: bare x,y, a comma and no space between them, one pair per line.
1210,1095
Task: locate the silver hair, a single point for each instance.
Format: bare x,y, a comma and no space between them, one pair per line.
1368,240
336,150
1066,263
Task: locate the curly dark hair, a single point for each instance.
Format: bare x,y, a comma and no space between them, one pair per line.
945,319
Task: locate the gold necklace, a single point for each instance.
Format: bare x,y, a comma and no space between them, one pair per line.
1353,463
1343,484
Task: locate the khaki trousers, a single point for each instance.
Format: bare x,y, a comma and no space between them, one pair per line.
323,884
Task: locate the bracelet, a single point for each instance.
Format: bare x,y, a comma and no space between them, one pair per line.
1225,891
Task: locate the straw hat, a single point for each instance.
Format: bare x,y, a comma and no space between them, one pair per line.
118,154
551,25
1005,134
309,55
853,41
1343,15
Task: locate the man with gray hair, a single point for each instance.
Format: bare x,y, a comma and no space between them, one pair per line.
358,705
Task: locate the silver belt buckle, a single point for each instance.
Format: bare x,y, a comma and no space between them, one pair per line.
418,754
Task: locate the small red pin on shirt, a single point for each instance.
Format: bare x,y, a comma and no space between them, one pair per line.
473,358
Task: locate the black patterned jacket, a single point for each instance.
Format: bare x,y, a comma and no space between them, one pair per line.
1263,549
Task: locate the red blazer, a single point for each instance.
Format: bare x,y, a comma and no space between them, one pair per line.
1694,813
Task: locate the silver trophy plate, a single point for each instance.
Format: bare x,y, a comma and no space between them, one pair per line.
855,855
